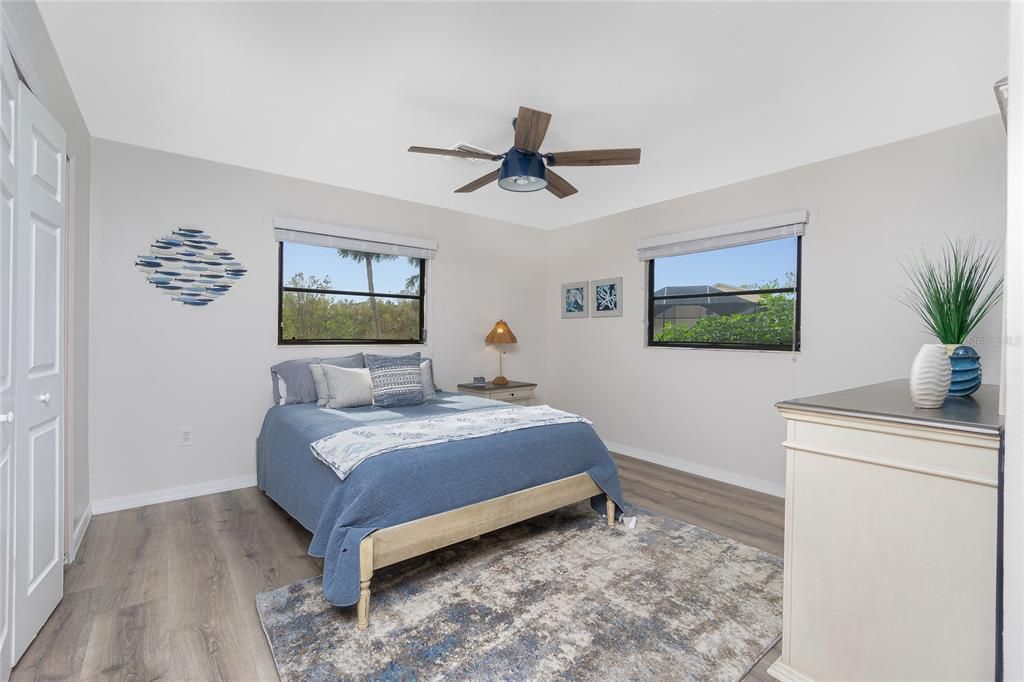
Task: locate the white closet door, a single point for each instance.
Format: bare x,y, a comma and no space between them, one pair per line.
8,192
38,371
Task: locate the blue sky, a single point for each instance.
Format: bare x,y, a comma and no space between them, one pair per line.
388,277
747,264
738,265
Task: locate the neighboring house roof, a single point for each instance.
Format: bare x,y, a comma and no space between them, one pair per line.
754,298
723,305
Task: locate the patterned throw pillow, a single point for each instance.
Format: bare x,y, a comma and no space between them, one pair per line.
396,379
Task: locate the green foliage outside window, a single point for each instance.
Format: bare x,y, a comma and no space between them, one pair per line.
326,315
315,316
772,324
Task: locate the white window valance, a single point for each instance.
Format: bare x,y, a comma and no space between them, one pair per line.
723,236
352,238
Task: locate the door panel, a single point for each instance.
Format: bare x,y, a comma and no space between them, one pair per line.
6,284
47,165
8,209
44,306
38,471
45,545
6,451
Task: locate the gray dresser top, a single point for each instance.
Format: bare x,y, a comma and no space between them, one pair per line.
890,401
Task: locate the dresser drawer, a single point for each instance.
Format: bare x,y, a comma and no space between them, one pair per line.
517,392
512,395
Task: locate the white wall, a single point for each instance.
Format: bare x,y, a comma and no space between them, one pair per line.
1013,486
711,411
157,365
38,58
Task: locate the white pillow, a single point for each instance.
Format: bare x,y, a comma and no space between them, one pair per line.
282,390
348,387
320,382
427,377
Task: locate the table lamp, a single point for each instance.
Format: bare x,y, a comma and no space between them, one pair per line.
499,335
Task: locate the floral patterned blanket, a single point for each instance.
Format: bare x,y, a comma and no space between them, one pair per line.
345,450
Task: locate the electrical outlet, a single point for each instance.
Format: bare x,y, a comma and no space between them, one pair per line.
186,436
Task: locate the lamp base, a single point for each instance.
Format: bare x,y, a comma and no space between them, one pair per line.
499,381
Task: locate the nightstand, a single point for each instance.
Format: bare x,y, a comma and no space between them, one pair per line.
516,392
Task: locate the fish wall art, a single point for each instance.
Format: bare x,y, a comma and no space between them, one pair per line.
190,267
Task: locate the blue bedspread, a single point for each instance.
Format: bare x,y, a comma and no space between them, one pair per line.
409,484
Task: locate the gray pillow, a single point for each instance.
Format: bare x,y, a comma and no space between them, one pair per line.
298,378
396,379
427,376
320,381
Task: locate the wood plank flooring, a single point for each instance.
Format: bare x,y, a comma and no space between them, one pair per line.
168,591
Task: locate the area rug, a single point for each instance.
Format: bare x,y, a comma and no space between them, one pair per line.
561,596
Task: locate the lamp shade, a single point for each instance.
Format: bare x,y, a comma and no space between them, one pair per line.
501,333
522,172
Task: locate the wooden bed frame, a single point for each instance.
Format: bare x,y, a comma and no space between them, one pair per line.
390,545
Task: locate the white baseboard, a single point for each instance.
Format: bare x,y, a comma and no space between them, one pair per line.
781,671
758,484
112,504
79,533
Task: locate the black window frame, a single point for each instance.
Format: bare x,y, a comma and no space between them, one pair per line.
790,347
281,289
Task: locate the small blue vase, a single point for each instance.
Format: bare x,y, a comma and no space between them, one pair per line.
966,366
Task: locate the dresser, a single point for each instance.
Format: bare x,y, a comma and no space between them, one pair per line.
517,392
890,553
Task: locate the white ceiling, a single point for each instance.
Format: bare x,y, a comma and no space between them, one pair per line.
714,93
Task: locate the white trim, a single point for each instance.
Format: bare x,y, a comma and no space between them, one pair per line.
79,534
784,673
303,231
20,54
112,504
759,484
1013,362
722,236
70,297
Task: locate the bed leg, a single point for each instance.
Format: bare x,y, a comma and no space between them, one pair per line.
363,608
365,575
611,511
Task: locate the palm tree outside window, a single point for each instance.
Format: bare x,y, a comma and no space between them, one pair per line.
329,295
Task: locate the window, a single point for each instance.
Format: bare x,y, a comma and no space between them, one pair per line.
738,290
331,295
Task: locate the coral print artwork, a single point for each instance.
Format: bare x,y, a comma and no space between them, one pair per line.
607,297
574,300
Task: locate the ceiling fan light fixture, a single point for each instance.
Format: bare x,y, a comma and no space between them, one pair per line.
524,168
522,172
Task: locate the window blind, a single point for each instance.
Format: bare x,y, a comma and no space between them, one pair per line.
723,236
352,239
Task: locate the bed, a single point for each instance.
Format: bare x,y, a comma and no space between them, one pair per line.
413,501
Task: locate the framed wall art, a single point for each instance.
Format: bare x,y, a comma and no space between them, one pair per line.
606,297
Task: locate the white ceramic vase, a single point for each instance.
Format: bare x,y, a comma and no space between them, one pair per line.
930,376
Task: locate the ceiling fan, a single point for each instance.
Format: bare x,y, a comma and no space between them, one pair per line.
523,166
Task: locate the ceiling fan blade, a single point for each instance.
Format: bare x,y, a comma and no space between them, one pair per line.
595,157
531,127
558,185
453,152
479,182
